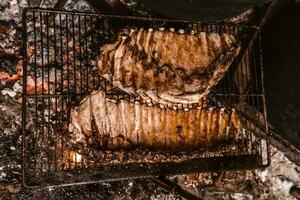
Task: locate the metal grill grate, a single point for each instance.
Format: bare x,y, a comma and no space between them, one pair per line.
58,73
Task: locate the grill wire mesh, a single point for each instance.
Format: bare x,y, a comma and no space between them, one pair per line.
58,74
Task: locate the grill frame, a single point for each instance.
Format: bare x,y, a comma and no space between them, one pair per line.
111,173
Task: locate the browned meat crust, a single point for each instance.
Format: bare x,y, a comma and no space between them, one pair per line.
127,125
166,66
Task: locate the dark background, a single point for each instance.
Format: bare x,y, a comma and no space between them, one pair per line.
281,54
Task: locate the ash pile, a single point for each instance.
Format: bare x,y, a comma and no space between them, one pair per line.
274,182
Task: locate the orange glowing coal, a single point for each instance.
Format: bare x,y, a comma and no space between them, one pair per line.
72,158
76,157
39,88
5,77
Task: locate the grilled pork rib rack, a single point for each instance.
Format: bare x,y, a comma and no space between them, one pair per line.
167,66
121,124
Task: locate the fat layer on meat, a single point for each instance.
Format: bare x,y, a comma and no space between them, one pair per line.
128,125
171,67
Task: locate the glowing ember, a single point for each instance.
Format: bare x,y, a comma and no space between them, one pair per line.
71,159
6,78
76,157
36,88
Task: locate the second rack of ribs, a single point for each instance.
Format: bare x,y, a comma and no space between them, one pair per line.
121,124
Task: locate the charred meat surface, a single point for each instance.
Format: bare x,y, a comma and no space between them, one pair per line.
119,124
167,66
